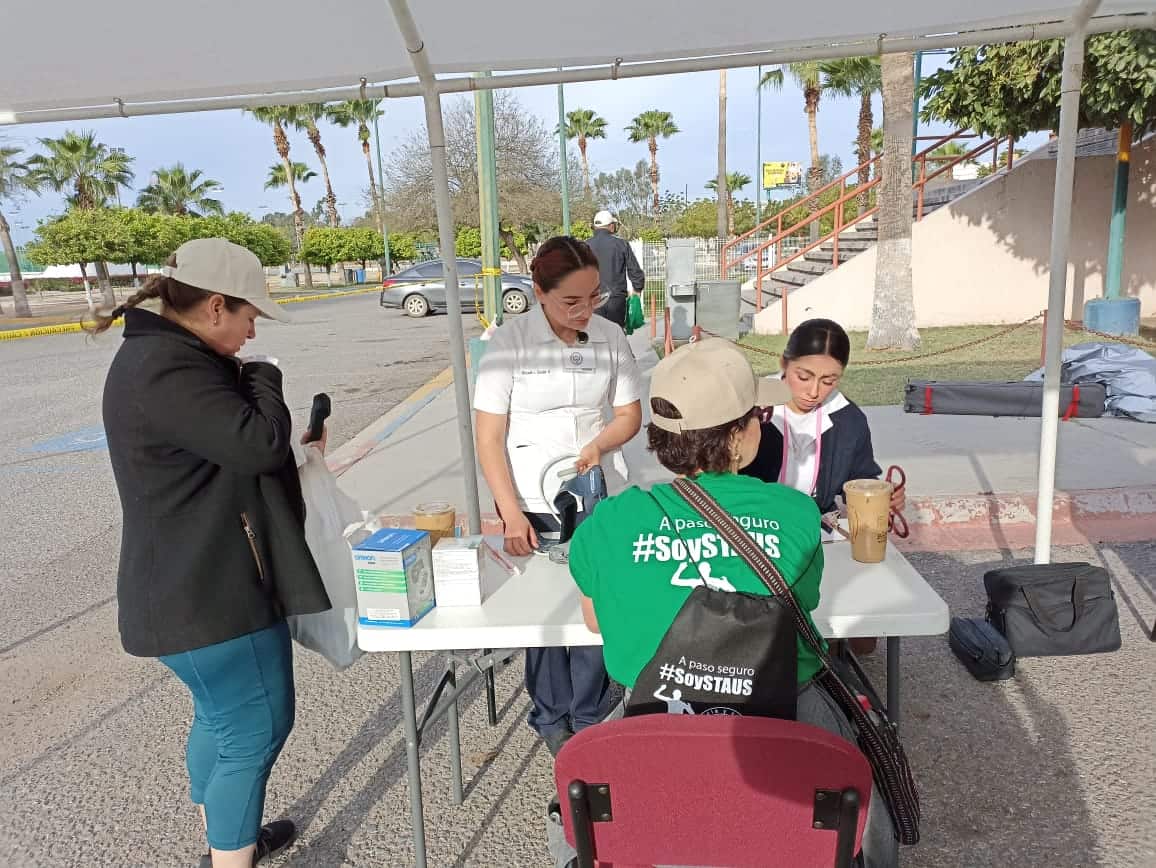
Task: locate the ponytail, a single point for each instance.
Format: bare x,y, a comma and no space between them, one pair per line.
101,322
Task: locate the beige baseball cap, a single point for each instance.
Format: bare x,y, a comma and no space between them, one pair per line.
710,383
604,218
217,265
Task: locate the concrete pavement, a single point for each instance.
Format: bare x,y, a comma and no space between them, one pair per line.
971,480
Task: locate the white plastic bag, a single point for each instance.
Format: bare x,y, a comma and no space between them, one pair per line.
328,512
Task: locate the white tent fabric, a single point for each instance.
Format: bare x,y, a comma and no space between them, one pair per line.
94,54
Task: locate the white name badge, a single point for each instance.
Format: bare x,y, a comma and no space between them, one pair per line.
578,360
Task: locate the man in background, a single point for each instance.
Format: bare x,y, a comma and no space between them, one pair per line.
616,263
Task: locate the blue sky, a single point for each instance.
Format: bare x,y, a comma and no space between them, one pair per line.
237,151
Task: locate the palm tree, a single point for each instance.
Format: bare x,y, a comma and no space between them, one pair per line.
15,179
808,75
861,77
89,173
176,190
649,127
735,181
307,118
893,313
278,116
278,179
584,124
362,113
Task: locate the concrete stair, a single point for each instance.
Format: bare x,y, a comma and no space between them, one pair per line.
853,241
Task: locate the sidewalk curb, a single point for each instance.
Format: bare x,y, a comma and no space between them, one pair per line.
367,441
73,327
974,522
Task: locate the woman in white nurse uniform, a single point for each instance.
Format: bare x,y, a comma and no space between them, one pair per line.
556,383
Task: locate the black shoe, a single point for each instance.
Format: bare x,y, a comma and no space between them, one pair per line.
272,839
275,837
555,739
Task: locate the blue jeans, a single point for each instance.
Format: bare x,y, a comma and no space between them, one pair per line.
243,707
568,686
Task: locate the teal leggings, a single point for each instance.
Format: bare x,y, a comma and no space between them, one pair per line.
243,702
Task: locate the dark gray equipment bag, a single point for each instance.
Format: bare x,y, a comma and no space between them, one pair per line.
1053,609
982,649
1018,398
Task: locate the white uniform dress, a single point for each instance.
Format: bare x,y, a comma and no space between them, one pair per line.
558,397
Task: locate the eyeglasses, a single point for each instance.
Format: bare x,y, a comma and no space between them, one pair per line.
584,307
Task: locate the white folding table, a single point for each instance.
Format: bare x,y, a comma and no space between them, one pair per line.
539,609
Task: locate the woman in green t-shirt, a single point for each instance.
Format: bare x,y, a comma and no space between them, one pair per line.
639,554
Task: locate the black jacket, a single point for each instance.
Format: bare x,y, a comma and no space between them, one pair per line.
847,454
213,545
616,261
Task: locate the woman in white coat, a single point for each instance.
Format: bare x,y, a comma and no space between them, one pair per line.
554,384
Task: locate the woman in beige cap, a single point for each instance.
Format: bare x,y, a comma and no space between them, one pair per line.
213,554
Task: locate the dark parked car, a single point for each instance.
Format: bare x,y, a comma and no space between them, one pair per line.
420,289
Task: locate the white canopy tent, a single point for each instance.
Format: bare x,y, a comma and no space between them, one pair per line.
132,57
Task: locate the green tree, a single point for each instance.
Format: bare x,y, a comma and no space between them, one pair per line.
306,120
82,235
361,113
323,247
1013,89
278,117
150,238
698,219
649,127
583,125
808,75
735,181
402,246
468,242
857,77
266,242
89,174
175,190
580,229
15,181
277,177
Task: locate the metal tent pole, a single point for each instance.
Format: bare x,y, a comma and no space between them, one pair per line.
1058,273
437,147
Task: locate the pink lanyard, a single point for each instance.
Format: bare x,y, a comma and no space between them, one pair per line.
818,447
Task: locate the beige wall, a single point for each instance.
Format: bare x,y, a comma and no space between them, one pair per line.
984,258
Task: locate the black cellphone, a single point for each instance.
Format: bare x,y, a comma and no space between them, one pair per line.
320,411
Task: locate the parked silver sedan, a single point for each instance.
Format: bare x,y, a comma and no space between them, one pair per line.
420,289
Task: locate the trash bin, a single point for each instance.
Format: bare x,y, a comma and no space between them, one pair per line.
359,275
348,275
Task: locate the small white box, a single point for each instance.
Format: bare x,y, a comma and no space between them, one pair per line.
467,571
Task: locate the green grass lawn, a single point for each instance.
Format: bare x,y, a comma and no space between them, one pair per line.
1010,357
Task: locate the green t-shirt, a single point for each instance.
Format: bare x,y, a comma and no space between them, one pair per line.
639,569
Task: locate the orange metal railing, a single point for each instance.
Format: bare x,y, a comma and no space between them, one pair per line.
732,255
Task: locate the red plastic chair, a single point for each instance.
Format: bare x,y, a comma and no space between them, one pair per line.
718,790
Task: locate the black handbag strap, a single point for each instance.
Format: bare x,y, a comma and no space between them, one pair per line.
1045,623
746,548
